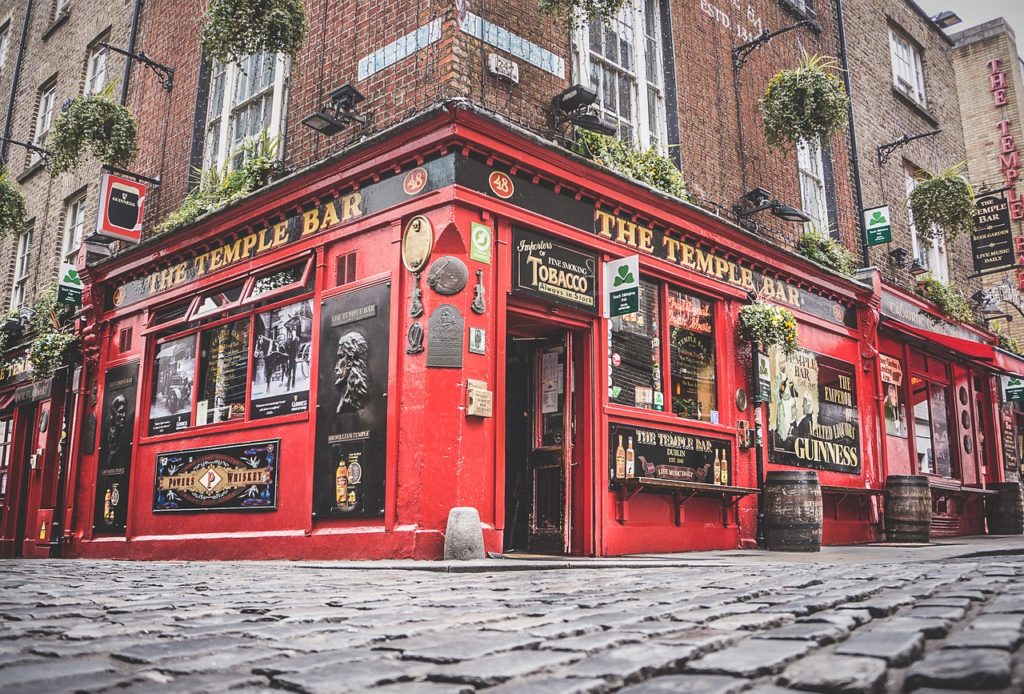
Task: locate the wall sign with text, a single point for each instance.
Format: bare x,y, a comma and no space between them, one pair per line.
553,271
235,477
120,208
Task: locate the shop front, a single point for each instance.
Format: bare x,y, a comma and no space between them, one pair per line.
461,318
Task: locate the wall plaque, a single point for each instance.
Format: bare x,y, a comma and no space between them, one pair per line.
236,477
992,240
668,455
444,337
417,243
553,271
448,275
110,515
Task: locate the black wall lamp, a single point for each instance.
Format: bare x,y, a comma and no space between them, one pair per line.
759,200
946,19
335,115
917,268
899,257
572,104
987,306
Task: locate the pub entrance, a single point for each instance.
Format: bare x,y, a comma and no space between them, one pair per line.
544,438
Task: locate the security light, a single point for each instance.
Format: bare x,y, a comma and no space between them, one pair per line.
591,121
324,123
574,98
899,256
946,19
917,268
332,118
759,200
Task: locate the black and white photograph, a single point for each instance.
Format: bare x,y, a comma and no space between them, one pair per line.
281,360
170,405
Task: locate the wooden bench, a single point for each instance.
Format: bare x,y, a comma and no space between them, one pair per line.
862,493
954,488
681,493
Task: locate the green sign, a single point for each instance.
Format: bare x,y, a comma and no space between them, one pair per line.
763,392
1013,388
878,224
622,286
69,289
480,243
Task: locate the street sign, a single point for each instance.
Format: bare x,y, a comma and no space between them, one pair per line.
120,208
878,224
1013,388
69,288
622,286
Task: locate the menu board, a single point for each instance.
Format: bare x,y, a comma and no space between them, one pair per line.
1011,461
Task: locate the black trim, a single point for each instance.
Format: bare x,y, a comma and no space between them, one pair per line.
829,178
669,79
195,155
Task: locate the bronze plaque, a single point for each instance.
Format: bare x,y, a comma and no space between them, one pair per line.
444,337
417,243
448,275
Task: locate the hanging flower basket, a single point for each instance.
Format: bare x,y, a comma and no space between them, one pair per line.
943,203
769,325
826,251
94,123
580,12
806,103
51,337
647,166
948,297
237,28
12,206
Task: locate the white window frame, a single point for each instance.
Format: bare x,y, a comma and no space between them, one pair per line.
96,68
928,251
5,41
59,7
813,194
74,229
22,268
221,156
44,119
649,121
907,68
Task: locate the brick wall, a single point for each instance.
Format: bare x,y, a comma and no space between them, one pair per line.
56,49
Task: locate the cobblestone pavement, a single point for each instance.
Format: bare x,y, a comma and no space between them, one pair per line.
706,628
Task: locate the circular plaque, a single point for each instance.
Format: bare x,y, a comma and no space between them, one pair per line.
417,243
741,399
448,275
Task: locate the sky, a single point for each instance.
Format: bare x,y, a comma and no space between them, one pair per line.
975,12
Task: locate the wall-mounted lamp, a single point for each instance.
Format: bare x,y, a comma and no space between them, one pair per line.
571,105
987,305
759,200
917,268
899,257
946,19
332,118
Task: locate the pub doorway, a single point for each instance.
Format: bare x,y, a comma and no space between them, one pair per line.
544,438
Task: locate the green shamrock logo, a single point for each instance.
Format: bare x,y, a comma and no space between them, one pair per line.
72,277
877,218
624,277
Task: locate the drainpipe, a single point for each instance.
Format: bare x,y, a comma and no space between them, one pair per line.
854,160
14,83
133,35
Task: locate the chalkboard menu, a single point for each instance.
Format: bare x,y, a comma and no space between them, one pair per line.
1011,462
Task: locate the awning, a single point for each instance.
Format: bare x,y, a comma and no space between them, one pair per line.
1009,363
979,351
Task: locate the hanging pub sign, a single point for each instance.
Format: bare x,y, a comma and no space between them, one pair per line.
553,271
236,477
812,413
1013,388
878,225
670,455
992,241
117,425
69,286
120,208
622,286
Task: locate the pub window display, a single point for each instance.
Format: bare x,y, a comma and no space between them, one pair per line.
931,427
635,368
692,354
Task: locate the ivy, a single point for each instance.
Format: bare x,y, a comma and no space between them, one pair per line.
826,251
580,12
647,166
51,336
94,123
238,28
806,103
948,297
218,188
943,203
769,325
12,206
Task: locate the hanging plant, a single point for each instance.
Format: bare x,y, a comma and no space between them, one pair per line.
769,325
580,12
12,206
51,337
647,166
10,331
826,251
948,297
943,203
806,103
1008,343
238,28
95,123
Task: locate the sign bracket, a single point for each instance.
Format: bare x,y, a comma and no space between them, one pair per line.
163,73
132,174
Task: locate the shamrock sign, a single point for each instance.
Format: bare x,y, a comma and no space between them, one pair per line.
69,289
622,286
878,224
624,276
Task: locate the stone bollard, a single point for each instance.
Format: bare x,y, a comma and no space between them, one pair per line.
464,537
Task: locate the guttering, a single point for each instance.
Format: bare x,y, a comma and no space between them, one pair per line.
133,35
858,192
14,83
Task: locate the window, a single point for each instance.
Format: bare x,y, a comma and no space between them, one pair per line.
222,373
74,225
96,68
929,249
6,434
623,62
5,40
246,100
931,427
60,7
804,7
44,118
813,195
22,264
686,326
907,73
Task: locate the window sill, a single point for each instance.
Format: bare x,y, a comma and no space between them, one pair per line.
220,428
57,23
31,170
800,14
633,415
916,107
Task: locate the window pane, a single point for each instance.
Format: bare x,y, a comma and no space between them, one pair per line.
692,350
281,360
170,406
940,432
922,425
218,299
636,379
276,280
223,373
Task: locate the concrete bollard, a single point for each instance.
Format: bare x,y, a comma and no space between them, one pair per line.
464,538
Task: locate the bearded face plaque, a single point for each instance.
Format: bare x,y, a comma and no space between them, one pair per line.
113,472
351,376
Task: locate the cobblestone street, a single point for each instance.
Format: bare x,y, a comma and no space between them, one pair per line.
702,625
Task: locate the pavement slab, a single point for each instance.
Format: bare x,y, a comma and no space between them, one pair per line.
838,674
969,668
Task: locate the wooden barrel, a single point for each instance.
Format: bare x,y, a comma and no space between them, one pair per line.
792,511
908,508
1005,511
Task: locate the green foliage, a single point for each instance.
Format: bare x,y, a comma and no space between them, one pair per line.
218,188
7,336
646,166
807,103
237,28
948,297
12,206
96,123
1010,344
769,325
826,251
579,12
52,337
943,202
